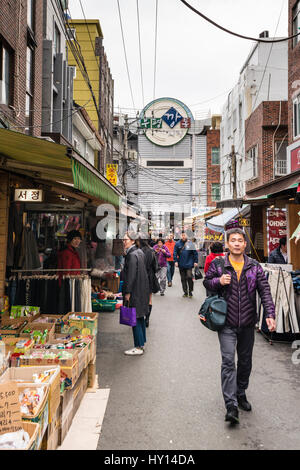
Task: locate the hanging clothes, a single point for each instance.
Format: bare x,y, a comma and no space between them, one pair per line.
29,255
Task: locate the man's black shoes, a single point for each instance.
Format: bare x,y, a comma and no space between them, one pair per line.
232,415
243,403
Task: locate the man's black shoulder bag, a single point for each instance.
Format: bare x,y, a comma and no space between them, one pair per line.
213,311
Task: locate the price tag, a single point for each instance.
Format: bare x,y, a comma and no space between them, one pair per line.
10,413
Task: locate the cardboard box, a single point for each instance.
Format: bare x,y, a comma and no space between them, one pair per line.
19,326
11,341
91,373
93,349
51,436
42,415
113,284
78,327
25,375
7,320
41,327
33,431
56,319
68,367
66,416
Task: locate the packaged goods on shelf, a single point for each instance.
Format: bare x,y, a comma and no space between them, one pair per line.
41,333
12,329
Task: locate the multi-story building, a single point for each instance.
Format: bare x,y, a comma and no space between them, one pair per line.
213,185
263,77
293,150
87,37
266,142
21,52
57,102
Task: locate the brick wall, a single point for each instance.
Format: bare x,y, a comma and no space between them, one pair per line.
260,128
213,171
4,201
294,72
11,19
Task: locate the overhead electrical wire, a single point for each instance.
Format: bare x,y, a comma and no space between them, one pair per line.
140,51
206,18
155,51
125,54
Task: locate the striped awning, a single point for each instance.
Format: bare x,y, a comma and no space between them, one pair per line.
88,182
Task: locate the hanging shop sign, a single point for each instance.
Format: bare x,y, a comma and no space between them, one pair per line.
276,227
166,121
212,236
29,195
112,173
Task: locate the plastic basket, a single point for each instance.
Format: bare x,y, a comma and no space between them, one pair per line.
104,305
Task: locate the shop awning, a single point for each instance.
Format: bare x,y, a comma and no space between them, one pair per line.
218,223
54,162
89,182
34,151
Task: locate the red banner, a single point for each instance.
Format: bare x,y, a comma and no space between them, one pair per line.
276,225
295,159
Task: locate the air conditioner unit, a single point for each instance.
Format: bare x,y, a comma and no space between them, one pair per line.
132,154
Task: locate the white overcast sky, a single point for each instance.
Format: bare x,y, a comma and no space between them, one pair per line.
195,61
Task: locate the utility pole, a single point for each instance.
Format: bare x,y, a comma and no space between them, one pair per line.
125,155
233,166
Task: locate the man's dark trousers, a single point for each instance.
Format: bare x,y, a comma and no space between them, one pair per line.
187,280
235,381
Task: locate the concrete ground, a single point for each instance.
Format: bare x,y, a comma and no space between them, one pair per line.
170,398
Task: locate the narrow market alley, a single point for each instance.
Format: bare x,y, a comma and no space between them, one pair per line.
170,398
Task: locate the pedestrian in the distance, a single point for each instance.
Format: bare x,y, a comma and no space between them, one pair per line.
279,255
170,244
216,250
136,290
151,268
241,278
162,254
186,258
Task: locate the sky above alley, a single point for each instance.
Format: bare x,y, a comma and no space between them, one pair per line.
196,63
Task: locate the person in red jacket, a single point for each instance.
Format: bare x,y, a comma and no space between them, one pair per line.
69,257
216,249
170,244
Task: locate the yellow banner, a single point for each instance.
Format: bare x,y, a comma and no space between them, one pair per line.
112,173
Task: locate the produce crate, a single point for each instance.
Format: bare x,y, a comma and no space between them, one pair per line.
25,374
41,327
99,305
80,326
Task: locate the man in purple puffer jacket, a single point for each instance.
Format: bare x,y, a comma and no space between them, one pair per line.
238,282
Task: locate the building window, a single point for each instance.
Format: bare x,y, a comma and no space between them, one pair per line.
296,116
56,40
30,14
215,156
5,69
296,23
281,158
252,162
29,89
215,192
72,34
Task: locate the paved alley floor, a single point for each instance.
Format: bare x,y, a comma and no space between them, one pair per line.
170,398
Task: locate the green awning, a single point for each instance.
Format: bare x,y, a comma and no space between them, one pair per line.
88,182
34,151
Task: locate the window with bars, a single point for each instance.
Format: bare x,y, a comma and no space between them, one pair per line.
281,158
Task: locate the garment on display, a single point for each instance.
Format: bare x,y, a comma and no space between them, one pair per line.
52,294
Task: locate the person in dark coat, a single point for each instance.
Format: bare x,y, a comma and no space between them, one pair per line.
279,255
238,283
136,290
151,267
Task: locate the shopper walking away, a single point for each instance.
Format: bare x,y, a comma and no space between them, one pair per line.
216,250
162,254
186,257
151,268
238,282
136,290
170,244
279,255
